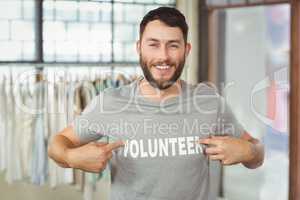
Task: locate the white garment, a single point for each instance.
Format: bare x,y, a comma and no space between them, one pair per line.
74,109
3,132
26,141
68,175
52,128
57,120
40,158
18,131
13,160
74,104
88,92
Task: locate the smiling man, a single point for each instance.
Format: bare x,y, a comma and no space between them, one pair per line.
164,130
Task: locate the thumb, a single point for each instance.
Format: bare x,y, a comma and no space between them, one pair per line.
219,136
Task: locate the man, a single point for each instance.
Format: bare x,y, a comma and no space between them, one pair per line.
165,130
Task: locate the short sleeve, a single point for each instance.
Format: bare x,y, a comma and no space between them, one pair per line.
83,123
227,124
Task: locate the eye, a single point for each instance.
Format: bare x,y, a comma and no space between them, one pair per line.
175,46
153,45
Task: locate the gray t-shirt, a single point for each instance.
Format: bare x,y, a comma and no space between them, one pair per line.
161,159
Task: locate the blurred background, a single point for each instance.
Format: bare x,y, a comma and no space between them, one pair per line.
52,50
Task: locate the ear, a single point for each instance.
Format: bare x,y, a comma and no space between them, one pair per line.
138,46
188,47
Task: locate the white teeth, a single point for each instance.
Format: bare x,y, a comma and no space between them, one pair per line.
162,66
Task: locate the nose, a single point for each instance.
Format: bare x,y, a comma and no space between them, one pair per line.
163,54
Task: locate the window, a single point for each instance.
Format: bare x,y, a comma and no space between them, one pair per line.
77,31
73,31
17,32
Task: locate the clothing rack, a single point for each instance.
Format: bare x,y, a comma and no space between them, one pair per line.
27,134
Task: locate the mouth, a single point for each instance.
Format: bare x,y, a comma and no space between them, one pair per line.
162,67
165,71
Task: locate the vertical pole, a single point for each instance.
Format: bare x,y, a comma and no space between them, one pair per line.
294,179
39,30
203,42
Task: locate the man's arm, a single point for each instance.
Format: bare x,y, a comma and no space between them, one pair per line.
229,150
60,144
67,151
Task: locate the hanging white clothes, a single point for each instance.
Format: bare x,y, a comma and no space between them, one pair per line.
57,120
3,133
32,114
39,162
13,167
27,130
74,109
19,134
74,103
88,92
54,170
67,174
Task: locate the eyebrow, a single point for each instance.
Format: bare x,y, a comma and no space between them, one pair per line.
152,40
174,41
156,40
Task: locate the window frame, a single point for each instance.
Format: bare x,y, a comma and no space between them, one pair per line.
211,24
247,3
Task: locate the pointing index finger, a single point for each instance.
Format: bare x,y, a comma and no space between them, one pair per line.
114,145
208,141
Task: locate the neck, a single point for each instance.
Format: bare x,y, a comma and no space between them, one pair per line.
150,92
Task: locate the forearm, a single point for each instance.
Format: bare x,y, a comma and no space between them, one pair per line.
256,157
58,150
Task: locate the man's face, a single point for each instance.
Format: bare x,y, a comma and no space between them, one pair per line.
162,52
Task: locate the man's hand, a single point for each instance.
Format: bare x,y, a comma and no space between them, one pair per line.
229,150
92,157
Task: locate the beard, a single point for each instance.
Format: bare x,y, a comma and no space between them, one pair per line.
158,83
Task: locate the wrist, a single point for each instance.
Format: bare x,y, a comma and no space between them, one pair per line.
250,153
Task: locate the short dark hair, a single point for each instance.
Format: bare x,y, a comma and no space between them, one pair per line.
168,15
